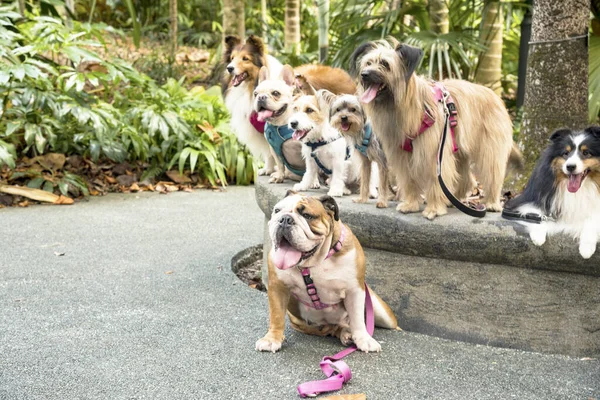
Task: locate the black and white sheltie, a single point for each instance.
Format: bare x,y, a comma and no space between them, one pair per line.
565,187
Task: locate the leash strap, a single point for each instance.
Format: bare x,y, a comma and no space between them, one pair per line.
337,371
472,211
530,217
323,168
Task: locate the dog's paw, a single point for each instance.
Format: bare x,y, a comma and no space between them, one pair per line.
315,185
347,192
265,171
360,200
366,343
346,337
493,207
277,177
299,187
406,207
587,249
431,212
381,204
538,236
335,192
268,344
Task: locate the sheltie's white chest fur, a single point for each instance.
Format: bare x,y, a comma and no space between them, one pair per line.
576,210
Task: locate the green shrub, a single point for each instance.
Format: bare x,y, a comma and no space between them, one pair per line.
59,96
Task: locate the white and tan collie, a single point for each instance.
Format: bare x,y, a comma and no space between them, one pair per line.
323,147
243,62
565,188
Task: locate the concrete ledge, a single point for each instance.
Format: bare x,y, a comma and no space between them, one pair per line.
479,281
455,236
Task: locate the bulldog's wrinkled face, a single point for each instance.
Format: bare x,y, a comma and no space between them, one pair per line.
298,227
273,97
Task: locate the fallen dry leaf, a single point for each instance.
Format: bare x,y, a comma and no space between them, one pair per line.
24,203
64,200
169,272
134,187
110,179
176,177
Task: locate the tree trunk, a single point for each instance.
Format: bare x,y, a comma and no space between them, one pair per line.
323,7
263,16
70,6
292,26
22,7
438,16
173,27
556,90
489,69
234,22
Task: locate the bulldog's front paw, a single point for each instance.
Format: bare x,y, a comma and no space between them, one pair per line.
277,177
268,343
366,343
587,249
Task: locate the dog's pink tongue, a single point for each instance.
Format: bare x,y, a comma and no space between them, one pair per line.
286,257
370,94
574,182
264,114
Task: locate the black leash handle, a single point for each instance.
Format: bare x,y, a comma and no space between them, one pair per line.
473,212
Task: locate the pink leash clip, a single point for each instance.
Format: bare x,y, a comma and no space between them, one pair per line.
337,371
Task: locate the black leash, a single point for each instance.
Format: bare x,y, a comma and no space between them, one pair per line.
478,212
530,217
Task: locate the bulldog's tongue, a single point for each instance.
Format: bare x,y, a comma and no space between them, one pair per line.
370,94
574,182
286,257
264,114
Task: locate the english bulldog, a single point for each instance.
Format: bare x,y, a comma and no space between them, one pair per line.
313,251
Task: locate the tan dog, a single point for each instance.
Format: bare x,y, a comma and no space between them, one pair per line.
396,101
303,230
348,117
273,98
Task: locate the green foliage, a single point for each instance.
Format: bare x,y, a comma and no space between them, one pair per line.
59,96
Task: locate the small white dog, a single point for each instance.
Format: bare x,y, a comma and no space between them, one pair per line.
323,147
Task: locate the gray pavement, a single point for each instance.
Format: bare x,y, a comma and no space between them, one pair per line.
143,305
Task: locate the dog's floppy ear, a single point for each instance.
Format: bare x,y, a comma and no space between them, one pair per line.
559,134
287,74
411,57
256,43
593,130
331,206
263,74
290,192
325,98
231,42
357,55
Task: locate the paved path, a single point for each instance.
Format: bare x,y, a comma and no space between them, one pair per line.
143,305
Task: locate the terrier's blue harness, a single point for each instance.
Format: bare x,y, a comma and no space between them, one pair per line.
277,136
368,132
316,145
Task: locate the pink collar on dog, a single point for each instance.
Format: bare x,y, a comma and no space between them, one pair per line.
439,94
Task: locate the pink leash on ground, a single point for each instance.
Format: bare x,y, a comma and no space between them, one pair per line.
337,371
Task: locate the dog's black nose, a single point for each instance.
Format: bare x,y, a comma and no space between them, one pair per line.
262,98
365,74
571,167
230,69
294,124
344,118
286,221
